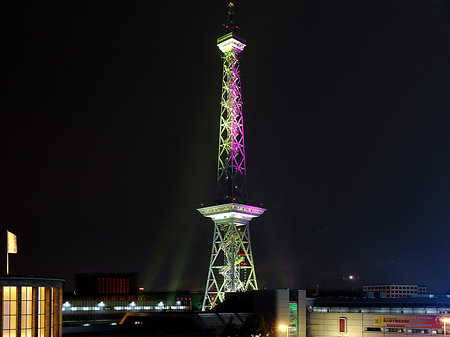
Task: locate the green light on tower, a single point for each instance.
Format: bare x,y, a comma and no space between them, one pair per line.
231,267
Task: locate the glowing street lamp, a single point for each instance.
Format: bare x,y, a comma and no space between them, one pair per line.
283,327
445,320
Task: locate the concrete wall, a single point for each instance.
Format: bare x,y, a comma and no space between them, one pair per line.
325,324
301,312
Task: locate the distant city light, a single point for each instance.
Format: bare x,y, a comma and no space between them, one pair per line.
351,277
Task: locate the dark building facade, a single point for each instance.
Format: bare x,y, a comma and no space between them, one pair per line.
95,284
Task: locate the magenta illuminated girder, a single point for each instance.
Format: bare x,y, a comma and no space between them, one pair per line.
231,175
231,267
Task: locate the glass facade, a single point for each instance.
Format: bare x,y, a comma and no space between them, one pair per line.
293,319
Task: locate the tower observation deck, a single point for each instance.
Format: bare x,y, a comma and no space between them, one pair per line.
231,267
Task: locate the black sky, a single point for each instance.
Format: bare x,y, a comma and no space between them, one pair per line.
109,131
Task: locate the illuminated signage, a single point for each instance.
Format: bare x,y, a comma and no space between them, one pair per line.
409,321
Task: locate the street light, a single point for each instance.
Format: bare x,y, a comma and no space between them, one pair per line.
445,320
283,327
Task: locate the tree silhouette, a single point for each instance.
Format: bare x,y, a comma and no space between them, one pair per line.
230,329
255,326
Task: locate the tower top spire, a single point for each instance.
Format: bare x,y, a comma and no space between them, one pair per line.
230,26
231,40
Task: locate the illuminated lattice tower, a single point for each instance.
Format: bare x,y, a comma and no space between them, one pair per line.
231,267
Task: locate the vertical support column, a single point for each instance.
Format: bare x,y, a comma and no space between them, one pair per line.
19,311
34,306
1,310
47,324
301,314
281,310
57,305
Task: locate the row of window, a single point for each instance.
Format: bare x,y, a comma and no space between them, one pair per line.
342,327
390,287
113,285
10,315
401,330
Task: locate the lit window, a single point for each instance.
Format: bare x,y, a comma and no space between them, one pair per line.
419,331
52,313
9,312
342,324
395,330
41,311
26,315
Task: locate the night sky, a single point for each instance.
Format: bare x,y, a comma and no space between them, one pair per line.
109,132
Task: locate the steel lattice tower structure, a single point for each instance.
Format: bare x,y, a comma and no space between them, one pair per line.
231,267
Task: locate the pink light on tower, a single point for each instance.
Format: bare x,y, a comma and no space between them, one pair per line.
231,266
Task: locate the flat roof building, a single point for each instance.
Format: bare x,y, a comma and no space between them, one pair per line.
396,290
94,284
376,317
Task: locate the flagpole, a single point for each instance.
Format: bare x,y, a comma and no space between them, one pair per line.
7,254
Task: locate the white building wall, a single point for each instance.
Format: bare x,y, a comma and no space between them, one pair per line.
327,325
301,313
324,324
281,310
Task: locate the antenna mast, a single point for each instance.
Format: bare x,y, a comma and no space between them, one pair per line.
231,267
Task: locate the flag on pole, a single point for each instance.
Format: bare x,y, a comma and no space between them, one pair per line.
12,243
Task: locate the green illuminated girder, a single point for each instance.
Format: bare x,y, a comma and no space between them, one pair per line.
231,173
231,267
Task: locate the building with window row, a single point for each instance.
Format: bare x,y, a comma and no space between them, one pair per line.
31,307
396,290
377,317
